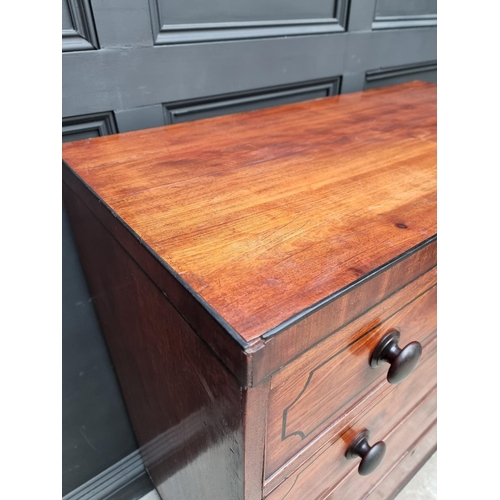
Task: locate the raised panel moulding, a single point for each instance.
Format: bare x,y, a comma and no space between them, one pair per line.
83,34
165,34
87,126
116,478
398,22
246,101
397,71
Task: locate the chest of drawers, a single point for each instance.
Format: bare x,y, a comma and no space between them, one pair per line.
266,283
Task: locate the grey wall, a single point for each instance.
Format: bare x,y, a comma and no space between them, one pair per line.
134,64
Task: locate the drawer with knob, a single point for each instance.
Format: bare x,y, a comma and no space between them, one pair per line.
367,446
330,384
408,447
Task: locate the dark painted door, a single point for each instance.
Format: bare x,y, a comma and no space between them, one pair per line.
133,64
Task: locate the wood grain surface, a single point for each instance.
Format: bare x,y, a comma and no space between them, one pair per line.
386,482
326,386
264,214
328,319
425,379
390,484
406,412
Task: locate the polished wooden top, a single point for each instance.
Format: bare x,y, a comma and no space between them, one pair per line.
266,213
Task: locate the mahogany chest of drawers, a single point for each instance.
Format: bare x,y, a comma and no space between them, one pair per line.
266,283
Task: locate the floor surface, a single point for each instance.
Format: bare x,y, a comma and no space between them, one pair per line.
422,487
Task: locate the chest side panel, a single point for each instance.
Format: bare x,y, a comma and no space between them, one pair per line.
185,406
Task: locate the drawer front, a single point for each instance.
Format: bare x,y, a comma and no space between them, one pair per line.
328,465
390,478
398,419
333,382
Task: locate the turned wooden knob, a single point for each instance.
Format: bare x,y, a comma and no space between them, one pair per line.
371,456
402,361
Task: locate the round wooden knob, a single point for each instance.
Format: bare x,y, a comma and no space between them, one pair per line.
402,361
371,456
